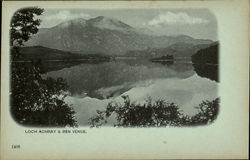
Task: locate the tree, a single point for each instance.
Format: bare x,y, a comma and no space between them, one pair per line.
35,99
158,114
23,25
207,113
154,114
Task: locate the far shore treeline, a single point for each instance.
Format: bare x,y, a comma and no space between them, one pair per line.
205,61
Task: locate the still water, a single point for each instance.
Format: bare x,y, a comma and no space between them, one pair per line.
93,86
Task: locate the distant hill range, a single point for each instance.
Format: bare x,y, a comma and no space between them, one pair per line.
43,53
177,50
109,36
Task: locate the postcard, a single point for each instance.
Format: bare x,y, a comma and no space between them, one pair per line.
125,79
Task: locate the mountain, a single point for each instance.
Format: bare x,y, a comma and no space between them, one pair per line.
102,22
104,35
179,49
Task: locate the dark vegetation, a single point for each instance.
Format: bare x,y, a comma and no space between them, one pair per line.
165,60
35,100
43,53
207,55
48,54
167,57
155,114
54,59
206,62
168,62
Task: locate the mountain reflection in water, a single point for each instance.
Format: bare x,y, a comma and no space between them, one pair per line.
95,80
92,86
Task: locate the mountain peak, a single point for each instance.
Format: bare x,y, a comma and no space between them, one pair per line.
103,18
100,22
108,23
100,17
77,21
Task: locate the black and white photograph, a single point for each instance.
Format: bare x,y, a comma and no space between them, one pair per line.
109,67
125,79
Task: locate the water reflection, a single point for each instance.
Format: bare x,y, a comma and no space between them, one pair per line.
187,93
207,70
93,86
111,79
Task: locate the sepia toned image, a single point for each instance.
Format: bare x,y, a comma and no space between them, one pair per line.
114,67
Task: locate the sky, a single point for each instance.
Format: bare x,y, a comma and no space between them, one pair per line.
197,23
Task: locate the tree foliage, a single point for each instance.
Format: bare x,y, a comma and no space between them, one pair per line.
35,100
207,112
24,24
154,114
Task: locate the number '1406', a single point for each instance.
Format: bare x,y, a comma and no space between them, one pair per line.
15,146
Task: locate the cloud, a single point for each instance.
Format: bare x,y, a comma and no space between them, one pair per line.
65,15
175,18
